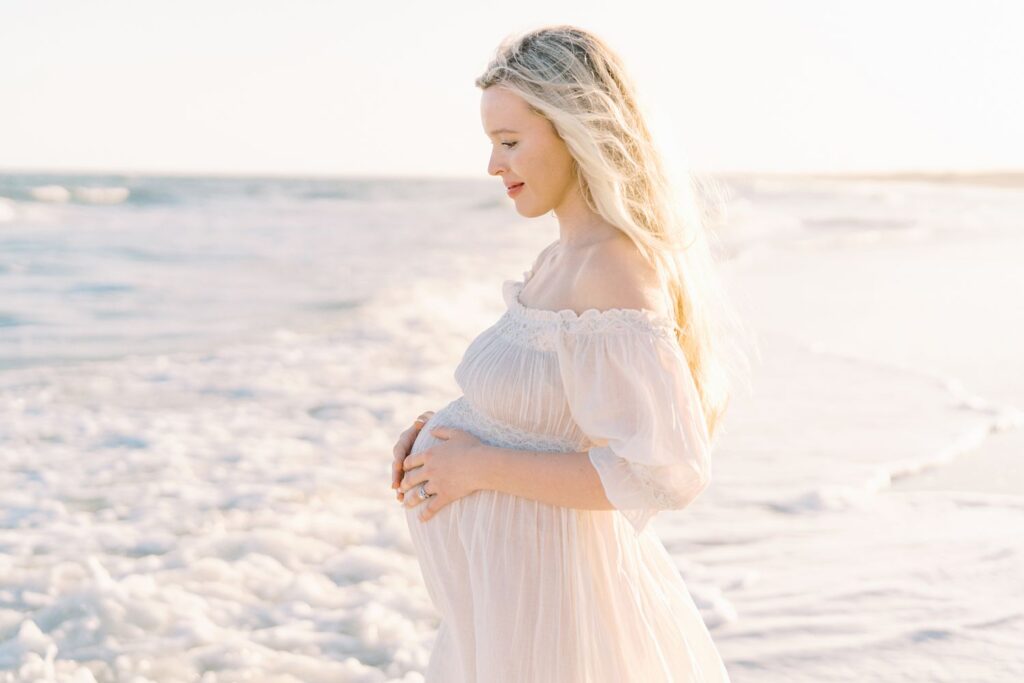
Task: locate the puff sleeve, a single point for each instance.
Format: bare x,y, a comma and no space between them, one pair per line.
630,390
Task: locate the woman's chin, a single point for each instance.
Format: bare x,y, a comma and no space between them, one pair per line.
529,211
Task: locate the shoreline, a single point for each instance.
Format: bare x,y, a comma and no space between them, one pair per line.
996,466
1004,179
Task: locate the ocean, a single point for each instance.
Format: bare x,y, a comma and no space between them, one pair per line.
202,378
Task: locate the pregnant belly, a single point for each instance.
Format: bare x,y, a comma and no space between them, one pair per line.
438,541
460,414
487,528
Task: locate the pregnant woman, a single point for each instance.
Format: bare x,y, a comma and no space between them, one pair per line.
587,407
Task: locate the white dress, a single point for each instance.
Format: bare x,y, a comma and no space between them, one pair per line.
535,593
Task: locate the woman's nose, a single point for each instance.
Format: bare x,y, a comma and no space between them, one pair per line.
494,165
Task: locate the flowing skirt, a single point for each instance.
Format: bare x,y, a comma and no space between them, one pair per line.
531,592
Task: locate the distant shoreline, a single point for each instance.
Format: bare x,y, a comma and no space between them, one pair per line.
993,178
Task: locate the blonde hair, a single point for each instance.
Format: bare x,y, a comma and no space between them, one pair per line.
572,78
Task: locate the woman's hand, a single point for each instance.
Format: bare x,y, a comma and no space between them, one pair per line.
403,446
450,470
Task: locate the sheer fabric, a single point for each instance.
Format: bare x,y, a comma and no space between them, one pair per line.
631,391
541,593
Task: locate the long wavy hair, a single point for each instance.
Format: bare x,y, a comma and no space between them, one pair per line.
575,80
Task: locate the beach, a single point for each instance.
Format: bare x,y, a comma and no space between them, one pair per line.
201,381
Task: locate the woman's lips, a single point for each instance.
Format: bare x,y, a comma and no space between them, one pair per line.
513,190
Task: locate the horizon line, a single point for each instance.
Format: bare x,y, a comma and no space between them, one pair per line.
936,174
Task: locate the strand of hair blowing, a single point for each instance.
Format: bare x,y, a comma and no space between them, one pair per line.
572,78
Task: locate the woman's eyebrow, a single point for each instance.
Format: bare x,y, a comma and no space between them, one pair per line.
502,130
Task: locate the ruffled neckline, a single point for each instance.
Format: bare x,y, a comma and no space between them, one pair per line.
591,318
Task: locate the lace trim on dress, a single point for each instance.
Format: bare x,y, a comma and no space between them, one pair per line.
461,414
651,478
591,320
525,331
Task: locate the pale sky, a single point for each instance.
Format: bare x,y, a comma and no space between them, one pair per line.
386,88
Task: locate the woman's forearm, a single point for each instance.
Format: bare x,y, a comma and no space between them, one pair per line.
563,479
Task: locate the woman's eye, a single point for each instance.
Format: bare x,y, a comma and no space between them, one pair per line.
509,144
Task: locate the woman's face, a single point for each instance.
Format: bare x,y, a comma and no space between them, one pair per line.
525,149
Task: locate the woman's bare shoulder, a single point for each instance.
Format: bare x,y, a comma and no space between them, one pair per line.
616,275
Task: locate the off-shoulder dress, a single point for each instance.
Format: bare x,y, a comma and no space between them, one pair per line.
536,593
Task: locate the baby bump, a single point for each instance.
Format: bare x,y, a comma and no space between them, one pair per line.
495,505
445,417
461,414
437,541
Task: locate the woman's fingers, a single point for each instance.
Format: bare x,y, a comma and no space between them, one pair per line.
433,505
402,447
400,451
410,484
398,465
